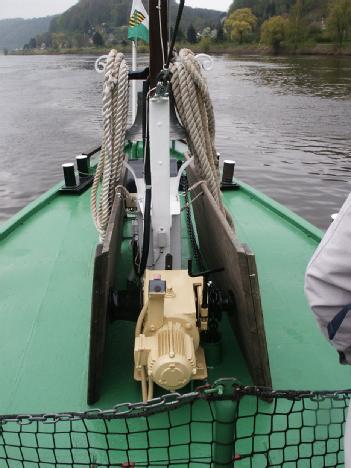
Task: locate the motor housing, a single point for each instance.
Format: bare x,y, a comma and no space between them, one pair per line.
167,342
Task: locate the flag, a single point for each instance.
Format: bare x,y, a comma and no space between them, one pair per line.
138,22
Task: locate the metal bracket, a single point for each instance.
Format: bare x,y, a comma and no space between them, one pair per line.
84,184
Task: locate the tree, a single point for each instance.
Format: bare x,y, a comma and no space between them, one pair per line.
87,27
240,4
58,40
98,40
265,9
273,31
79,40
33,43
239,23
191,35
44,38
339,19
220,33
297,27
180,35
205,44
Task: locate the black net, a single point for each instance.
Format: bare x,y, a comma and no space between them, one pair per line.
291,429
247,427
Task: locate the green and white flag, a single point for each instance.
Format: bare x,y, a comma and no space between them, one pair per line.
138,22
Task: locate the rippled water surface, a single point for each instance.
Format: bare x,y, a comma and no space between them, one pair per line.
286,121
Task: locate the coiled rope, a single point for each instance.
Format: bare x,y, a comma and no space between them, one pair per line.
195,110
115,115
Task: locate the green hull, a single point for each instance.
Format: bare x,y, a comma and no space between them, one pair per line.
46,271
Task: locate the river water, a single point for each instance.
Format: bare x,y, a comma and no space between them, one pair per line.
285,121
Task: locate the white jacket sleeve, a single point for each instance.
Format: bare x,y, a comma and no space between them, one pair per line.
328,283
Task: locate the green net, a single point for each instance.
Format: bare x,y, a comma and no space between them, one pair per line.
250,427
291,429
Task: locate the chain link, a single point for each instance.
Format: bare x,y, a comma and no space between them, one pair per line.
120,411
171,401
269,393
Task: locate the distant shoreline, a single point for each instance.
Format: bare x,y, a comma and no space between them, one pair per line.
214,48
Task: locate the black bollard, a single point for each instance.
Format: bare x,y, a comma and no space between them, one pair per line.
85,179
228,172
70,177
83,165
227,176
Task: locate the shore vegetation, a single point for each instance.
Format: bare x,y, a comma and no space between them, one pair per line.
240,23
249,27
339,20
274,31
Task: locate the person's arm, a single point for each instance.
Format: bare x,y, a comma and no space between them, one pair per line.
328,283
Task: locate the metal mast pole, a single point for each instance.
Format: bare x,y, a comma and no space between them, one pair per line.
156,26
134,88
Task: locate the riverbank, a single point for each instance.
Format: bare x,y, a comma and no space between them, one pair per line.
204,46
260,49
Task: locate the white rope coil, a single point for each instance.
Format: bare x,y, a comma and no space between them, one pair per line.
115,115
195,109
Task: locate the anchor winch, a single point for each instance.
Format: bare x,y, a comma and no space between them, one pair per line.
167,340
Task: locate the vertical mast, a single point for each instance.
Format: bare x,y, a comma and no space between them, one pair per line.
156,59
134,88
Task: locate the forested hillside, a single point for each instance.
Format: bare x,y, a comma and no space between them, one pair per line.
289,25
115,13
264,9
16,32
77,26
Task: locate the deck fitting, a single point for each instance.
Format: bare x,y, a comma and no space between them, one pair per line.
229,186
84,184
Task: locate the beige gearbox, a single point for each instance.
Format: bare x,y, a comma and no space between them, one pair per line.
167,336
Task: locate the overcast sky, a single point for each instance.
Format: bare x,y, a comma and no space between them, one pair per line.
36,8
214,4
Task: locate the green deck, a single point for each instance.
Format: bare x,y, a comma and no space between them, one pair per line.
46,276
300,357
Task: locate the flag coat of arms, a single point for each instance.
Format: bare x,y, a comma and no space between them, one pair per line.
138,22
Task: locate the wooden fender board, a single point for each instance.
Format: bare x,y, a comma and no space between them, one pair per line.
106,258
221,248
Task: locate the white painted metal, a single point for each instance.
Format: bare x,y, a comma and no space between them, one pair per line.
139,182
134,84
165,213
160,177
206,61
175,184
100,64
